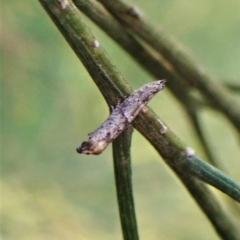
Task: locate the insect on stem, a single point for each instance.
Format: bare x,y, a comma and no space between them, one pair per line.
120,118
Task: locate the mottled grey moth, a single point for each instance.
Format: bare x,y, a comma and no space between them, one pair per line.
120,118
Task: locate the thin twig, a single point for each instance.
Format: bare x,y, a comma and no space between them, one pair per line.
194,117
212,209
113,87
177,58
234,87
123,179
147,59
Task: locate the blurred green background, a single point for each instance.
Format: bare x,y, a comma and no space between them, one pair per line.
49,104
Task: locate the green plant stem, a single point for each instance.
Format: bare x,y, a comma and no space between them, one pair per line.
194,117
149,60
79,37
110,82
114,87
234,87
123,179
211,175
177,58
138,51
212,209
177,156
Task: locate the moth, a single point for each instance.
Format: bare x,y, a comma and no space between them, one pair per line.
122,115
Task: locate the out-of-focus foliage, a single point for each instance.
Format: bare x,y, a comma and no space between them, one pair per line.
49,104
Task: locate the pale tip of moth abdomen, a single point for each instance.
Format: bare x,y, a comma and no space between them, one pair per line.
163,82
160,84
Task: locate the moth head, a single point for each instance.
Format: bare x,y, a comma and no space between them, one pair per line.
91,147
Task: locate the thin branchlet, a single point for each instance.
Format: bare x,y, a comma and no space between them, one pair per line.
120,118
